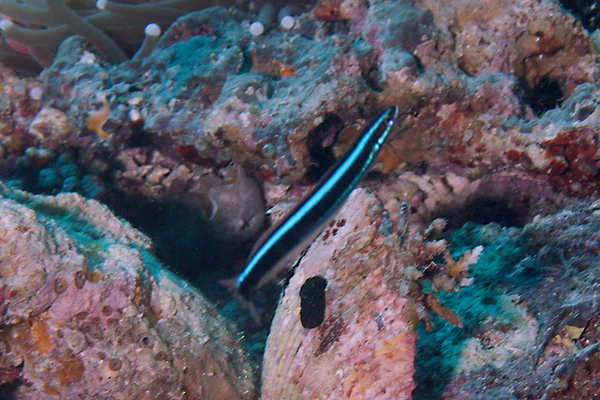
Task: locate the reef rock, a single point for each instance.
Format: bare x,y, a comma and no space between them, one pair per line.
87,311
366,345
531,324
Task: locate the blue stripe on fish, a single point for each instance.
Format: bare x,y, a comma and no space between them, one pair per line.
287,239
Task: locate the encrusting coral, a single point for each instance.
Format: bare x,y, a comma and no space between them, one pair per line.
365,347
531,327
87,311
503,131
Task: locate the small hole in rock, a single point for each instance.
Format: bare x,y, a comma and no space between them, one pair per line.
486,208
546,95
320,146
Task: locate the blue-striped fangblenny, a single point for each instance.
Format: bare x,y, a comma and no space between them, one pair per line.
285,241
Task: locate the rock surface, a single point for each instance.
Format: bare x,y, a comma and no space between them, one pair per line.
87,311
365,347
531,326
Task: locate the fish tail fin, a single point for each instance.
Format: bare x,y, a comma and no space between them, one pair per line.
231,285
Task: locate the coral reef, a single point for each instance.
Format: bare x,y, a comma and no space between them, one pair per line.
530,316
365,347
503,131
510,91
87,311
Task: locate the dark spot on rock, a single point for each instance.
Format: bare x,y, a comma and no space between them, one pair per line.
60,285
93,331
60,334
179,353
546,95
380,323
79,279
312,302
510,200
114,364
139,137
161,356
81,315
146,339
101,355
125,335
485,209
107,310
330,331
586,11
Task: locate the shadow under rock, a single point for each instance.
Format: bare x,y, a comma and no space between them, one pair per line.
183,241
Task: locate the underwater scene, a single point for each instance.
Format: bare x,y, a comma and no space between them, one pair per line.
285,200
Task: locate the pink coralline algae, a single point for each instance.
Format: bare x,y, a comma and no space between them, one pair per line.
87,311
348,356
365,347
502,129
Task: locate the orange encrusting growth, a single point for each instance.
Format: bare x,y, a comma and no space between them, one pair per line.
96,119
40,337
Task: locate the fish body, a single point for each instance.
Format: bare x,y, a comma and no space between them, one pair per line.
285,241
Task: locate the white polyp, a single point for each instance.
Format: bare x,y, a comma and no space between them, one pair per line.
152,33
101,4
287,22
101,97
257,28
135,101
134,115
152,30
87,58
5,24
35,93
266,15
286,16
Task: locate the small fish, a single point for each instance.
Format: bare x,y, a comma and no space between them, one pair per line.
279,246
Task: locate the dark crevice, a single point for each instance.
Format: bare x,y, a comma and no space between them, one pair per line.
320,144
183,241
484,208
588,12
341,27
546,95
510,199
139,137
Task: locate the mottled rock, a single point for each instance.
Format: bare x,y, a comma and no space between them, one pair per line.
88,311
365,347
530,318
50,124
